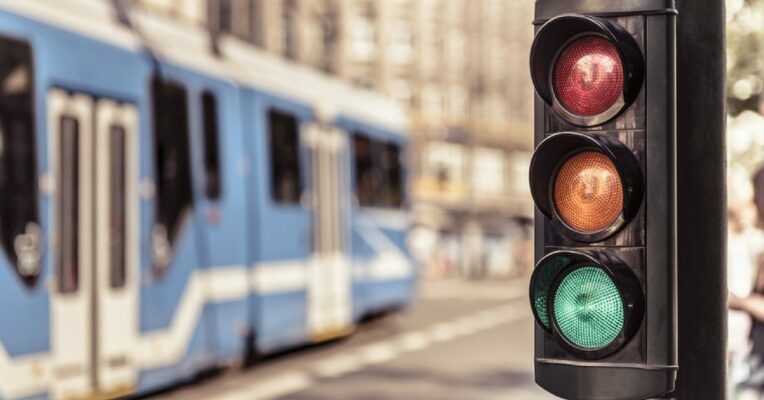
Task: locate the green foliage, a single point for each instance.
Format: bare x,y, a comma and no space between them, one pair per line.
745,55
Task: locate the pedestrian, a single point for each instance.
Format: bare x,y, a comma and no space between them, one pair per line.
745,277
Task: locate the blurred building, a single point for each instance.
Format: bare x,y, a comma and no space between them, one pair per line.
459,65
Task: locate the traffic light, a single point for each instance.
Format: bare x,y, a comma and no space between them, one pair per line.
603,180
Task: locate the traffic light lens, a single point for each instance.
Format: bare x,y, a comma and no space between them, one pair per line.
541,284
588,76
588,193
588,308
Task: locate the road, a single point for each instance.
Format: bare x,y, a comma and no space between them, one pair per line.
463,340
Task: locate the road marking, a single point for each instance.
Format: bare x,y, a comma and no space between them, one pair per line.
413,341
336,366
356,359
378,353
442,332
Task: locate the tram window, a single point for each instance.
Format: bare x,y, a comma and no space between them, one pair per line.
19,214
117,233
392,190
68,207
286,182
171,156
364,171
213,187
378,173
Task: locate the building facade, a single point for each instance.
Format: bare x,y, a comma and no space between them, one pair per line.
460,66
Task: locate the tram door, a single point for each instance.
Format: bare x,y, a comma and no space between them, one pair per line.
329,291
93,164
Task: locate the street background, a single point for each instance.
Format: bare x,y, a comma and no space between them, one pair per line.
460,67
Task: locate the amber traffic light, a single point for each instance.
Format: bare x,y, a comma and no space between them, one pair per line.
588,192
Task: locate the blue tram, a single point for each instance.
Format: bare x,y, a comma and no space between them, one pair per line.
166,208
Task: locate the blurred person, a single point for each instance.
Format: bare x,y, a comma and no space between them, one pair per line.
474,255
423,241
522,248
745,346
447,254
498,257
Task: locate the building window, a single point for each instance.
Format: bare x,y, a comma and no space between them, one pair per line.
488,172
221,16
401,91
401,41
172,162
286,181
213,182
456,48
432,101
444,165
329,22
19,214
290,28
432,39
378,173
256,18
363,37
457,102
519,165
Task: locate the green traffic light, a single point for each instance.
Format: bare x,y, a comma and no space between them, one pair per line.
588,308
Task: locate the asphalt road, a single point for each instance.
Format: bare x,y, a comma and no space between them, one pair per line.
463,340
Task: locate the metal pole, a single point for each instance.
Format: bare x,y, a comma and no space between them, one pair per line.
701,200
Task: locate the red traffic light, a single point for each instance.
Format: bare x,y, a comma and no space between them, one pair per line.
588,76
590,79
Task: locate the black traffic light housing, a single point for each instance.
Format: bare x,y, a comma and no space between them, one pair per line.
635,253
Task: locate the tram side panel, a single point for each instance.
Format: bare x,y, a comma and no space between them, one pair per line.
173,291
216,264
217,156
49,268
281,224
23,288
384,273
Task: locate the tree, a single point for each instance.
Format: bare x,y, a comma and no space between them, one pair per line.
745,61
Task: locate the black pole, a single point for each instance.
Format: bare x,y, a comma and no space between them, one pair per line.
701,200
